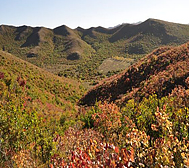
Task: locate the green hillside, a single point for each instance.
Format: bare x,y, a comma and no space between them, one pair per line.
47,92
79,52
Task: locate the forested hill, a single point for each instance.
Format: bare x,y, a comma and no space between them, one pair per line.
159,72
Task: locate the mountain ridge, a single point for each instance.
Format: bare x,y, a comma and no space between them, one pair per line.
75,51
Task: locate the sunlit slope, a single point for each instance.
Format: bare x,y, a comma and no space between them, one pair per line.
159,72
49,94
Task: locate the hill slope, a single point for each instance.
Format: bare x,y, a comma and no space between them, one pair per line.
165,31
45,47
47,93
79,52
160,72
35,106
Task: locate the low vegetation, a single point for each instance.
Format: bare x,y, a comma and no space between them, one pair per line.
138,118
150,133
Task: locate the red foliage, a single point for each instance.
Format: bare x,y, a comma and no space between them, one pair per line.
2,75
159,72
21,81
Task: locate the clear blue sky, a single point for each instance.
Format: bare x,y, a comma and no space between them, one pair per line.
88,13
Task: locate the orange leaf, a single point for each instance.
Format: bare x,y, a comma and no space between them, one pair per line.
187,162
132,155
97,150
113,164
63,164
116,149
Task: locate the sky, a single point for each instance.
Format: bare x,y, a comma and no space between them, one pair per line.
90,13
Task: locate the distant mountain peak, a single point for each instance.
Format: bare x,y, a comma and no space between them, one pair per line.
63,30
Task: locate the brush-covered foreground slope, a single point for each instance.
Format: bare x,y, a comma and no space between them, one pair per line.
159,72
35,106
150,133
48,94
79,52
